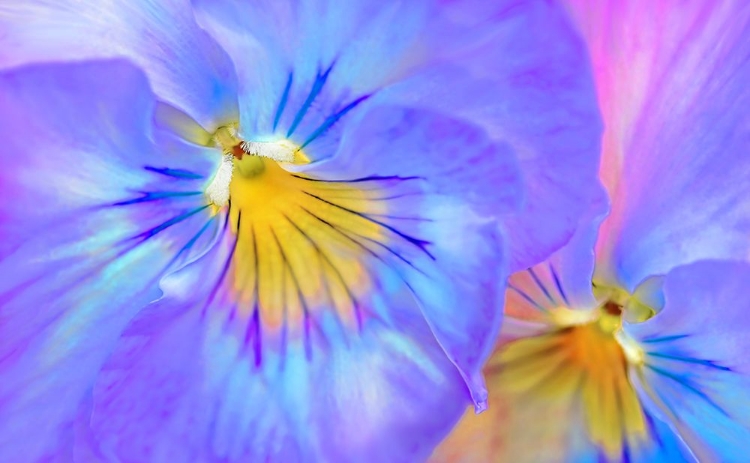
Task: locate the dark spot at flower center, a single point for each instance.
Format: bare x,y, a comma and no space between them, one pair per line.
612,308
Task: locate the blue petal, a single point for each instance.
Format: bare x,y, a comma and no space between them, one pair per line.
184,65
302,66
533,91
455,256
316,67
182,386
696,373
676,145
94,213
283,368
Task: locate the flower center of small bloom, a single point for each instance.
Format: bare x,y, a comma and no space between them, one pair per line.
585,358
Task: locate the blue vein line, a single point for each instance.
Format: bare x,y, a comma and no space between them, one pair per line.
527,297
558,284
317,86
192,241
677,358
541,286
156,196
333,119
370,178
689,386
176,173
282,102
665,338
174,220
419,243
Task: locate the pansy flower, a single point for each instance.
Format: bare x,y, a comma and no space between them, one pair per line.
630,343
272,231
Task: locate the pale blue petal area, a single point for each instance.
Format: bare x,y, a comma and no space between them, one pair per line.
659,444
683,191
696,372
94,213
183,386
184,65
447,243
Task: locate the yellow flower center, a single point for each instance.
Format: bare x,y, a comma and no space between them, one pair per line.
304,248
585,357
297,238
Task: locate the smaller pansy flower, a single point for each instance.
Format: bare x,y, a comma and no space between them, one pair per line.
629,344
618,377
303,257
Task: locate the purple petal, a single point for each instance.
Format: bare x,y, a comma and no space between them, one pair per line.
672,80
184,65
532,91
696,372
444,210
317,66
326,322
93,216
186,385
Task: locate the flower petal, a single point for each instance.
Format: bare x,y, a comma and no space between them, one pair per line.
321,320
449,247
533,429
184,65
318,65
672,84
94,213
183,386
302,66
538,413
696,372
533,92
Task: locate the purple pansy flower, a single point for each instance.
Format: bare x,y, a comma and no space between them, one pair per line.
630,343
272,231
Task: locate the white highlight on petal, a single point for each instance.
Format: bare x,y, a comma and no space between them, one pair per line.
218,191
633,352
279,151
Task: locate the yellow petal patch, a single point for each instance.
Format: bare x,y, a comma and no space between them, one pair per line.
582,361
301,244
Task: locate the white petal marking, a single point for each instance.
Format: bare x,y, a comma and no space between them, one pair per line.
279,151
218,191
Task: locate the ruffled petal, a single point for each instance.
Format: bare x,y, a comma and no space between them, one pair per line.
536,98
469,60
198,379
441,203
94,213
672,84
184,65
695,372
